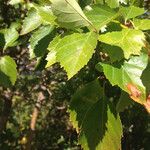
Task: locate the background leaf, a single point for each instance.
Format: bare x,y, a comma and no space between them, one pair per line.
124,102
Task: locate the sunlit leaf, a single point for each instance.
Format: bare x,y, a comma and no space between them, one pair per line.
131,41
8,72
128,74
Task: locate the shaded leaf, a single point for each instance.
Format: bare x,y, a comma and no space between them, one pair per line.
39,41
98,125
131,41
115,53
124,102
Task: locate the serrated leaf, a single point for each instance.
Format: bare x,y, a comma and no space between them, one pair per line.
11,35
131,41
31,22
98,125
74,51
69,14
39,41
129,73
101,15
131,12
124,102
51,57
45,13
142,24
8,72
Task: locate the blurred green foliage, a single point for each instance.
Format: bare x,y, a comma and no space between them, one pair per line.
53,129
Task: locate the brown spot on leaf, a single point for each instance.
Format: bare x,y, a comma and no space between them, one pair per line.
133,90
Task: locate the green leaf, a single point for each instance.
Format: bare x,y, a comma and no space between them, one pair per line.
146,77
51,57
129,73
31,22
69,14
131,41
14,2
112,3
46,14
74,51
115,53
142,24
8,72
11,35
131,12
94,118
124,102
2,39
101,15
39,41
